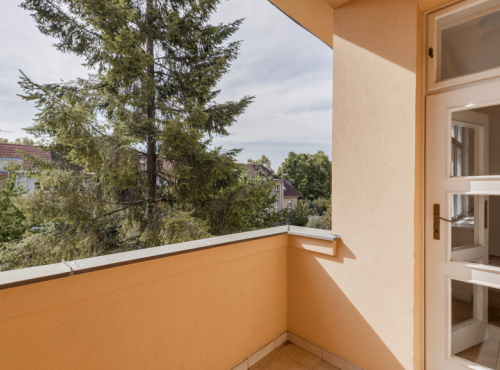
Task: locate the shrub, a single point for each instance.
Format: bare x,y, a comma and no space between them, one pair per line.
317,223
299,216
319,206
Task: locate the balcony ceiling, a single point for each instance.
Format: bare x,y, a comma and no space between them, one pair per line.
336,3
316,16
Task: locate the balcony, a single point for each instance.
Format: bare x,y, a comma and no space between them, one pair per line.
257,300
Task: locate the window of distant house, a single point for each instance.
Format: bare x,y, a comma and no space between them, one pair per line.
277,206
289,204
277,188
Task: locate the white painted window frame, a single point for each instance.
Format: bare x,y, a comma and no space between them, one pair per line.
452,15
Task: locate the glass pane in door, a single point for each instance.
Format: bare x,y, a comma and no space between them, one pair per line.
463,150
475,141
463,223
475,228
475,331
462,302
469,45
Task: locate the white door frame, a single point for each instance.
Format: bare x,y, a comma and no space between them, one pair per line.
489,185
440,269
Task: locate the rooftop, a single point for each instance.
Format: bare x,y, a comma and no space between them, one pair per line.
8,150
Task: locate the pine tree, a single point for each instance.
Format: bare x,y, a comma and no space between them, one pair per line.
137,167
12,219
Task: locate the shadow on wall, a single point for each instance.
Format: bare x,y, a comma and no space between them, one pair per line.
205,310
321,313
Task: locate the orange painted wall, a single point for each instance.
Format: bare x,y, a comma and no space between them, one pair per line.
203,310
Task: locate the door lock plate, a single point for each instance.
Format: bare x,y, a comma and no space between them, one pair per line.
437,220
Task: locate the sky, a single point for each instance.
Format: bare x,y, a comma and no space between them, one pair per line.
287,69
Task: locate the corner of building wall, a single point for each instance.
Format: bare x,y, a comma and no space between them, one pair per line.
418,362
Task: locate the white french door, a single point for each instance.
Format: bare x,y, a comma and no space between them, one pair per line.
462,178
462,187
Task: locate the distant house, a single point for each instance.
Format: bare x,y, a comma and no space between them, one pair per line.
13,153
286,195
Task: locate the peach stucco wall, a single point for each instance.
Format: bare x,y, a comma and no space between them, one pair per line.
203,310
366,304
295,201
362,304
374,188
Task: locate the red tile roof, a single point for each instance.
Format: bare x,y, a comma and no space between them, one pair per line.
14,151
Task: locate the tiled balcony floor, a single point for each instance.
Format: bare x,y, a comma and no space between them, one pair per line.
291,357
486,353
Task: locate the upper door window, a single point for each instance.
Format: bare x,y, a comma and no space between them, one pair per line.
470,47
465,44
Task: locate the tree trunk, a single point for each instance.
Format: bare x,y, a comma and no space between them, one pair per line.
151,142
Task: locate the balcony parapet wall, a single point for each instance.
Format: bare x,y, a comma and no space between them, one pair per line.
206,304
13,278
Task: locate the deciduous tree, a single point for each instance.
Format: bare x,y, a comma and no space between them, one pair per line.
311,174
261,161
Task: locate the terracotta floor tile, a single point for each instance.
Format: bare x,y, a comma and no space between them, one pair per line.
323,365
279,361
301,356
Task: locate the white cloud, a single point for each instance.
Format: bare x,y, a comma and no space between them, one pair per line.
288,70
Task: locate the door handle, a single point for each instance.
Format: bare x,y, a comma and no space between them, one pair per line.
437,222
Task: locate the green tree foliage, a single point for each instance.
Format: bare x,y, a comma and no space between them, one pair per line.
317,223
137,167
311,174
250,198
321,210
319,206
327,218
12,219
299,216
262,161
22,141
